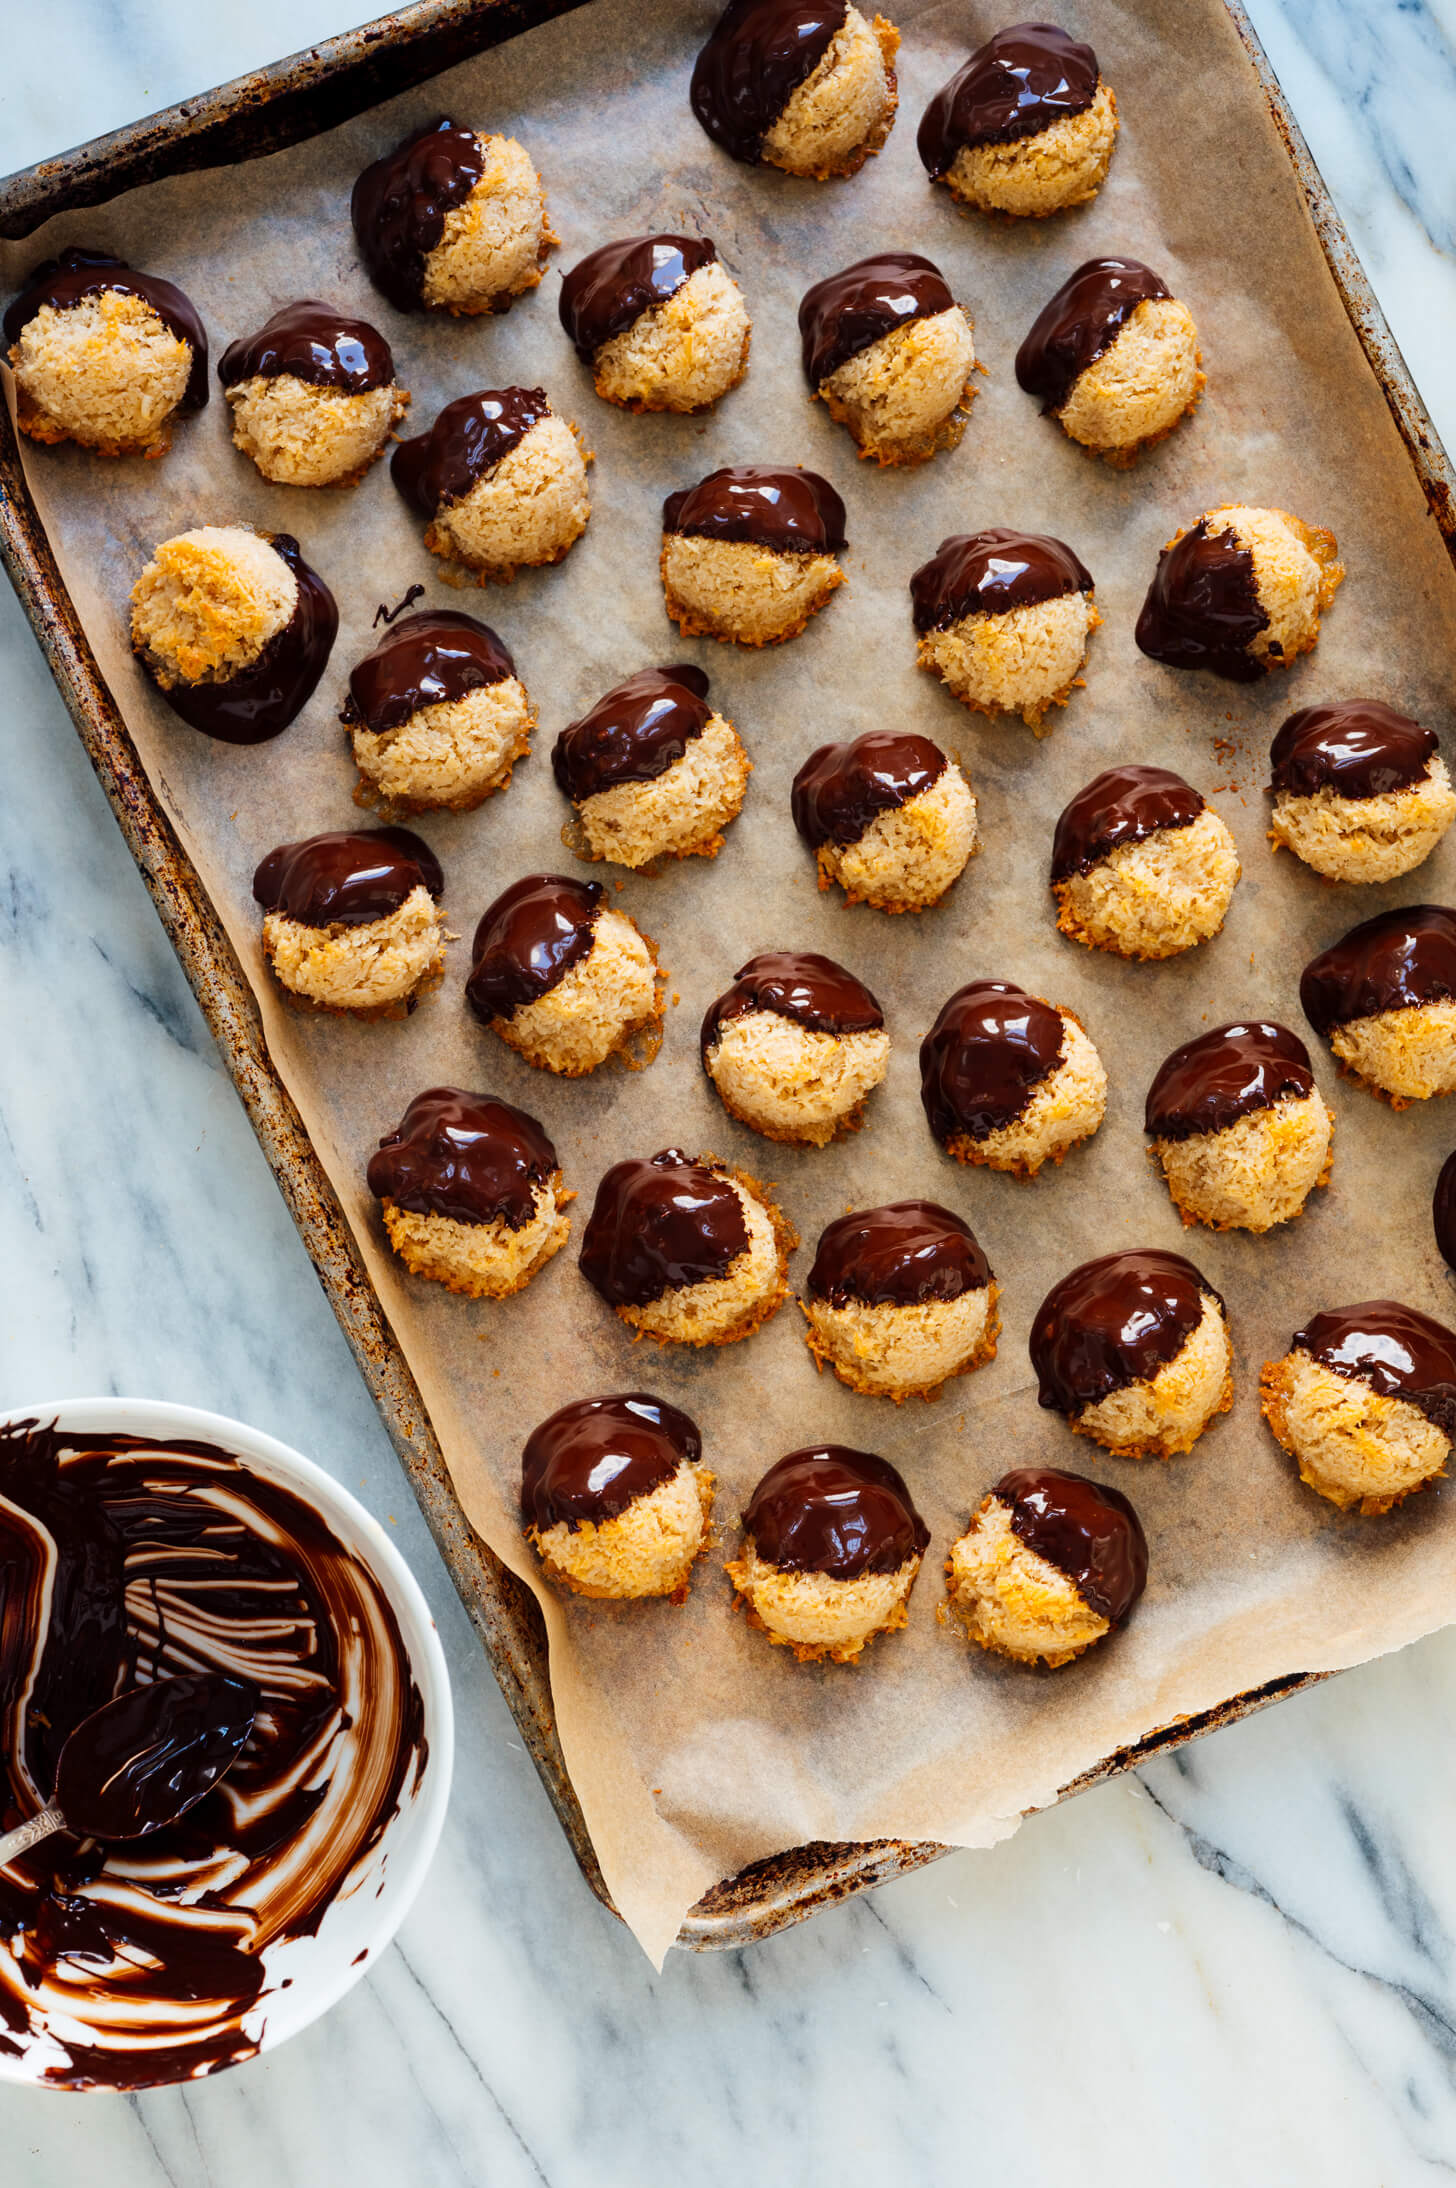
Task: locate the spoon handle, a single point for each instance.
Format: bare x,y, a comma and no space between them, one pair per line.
25,1835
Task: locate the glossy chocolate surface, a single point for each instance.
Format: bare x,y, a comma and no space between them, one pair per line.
985,1056
1091,1534
900,1255
764,504
1443,1212
593,1458
528,939
757,55
1359,748
658,1225
1121,805
1020,82
314,342
1083,319
1227,1073
992,572
1113,1322
141,1761
400,203
259,702
831,1510
843,315
1203,609
611,287
1396,961
842,789
1397,1350
469,438
79,273
813,991
634,733
346,877
425,660
465,1156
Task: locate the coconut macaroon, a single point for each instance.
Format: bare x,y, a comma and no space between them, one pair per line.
500,480
452,221
1141,865
436,715
653,770
563,979
749,553
1384,997
312,395
1113,358
614,1499
351,921
659,320
831,1546
1360,792
233,628
888,817
1027,127
1008,1080
1003,618
1240,593
888,349
104,355
804,85
1133,1348
900,1300
686,1250
1049,1564
1364,1401
1240,1129
470,1193
795,1047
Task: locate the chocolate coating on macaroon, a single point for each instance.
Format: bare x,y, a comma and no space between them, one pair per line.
1443,1212
984,1058
610,289
1225,1074
757,55
659,1225
827,1509
904,1254
813,991
844,314
762,504
529,939
842,789
1122,805
634,733
78,273
426,660
1091,1534
1080,323
1020,82
312,341
348,877
992,572
400,203
469,438
1203,609
1396,961
1358,748
1113,1322
1397,1350
261,700
587,1462
463,1156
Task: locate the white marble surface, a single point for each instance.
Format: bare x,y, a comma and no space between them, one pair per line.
1239,1968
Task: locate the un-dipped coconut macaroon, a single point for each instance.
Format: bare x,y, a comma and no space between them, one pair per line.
1360,792
1002,618
1142,865
1026,127
900,1299
888,817
653,770
563,978
831,1546
233,628
436,715
1133,1348
451,220
312,395
889,350
104,355
352,922
1008,1080
1240,593
1239,1127
1364,1401
659,320
614,1498
686,1250
1049,1564
1113,358
1384,997
795,1047
500,481
470,1193
750,553
804,85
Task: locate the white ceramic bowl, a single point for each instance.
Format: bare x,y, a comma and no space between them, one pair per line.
354,1929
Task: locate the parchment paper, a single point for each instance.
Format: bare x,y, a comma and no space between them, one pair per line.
694,1746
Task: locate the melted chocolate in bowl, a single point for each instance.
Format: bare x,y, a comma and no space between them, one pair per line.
757,55
1113,1322
1091,1534
989,573
844,314
831,1510
469,438
588,1462
611,287
1121,805
792,512
659,1225
985,1056
901,1255
842,789
463,1156
1083,320
1358,748
1225,1074
529,939
78,273
143,1760
427,660
1020,82
260,702
1396,961
314,342
1203,609
1399,1351
634,733
347,877
400,203
813,991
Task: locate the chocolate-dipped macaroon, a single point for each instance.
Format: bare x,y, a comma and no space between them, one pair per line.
614,1499
451,220
1365,1402
1134,1349
900,1299
234,629
831,1546
1241,1130
1027,127
1384,997
312,395
805,85
470,1193
500,481
352,922
686,1250
889,817
653,770
1049,1564
1113,358
1141,865
890,351
563,978
1003,617
749,553
1239,593
1443,1212
436,715
1009,1080
660,321
104,355
1360,792
795,1047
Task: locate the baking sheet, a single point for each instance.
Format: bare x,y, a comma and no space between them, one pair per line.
693,1746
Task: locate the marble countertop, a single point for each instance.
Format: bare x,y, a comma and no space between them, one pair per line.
1237,1967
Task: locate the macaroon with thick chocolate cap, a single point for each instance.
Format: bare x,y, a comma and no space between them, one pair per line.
1008,1080
751,552
436,715
832,1543
804,85
1133,1348
653,770
1002,618
1241,1131
470,1193
312,395
1384,997
104,355
1049,1564
614,1498
500,480
1360,792
795,1047
890,351
686,1250
352,922
900,1299
1027,127
1114,358
660,321
888,817
1364,1402
452,221
1141,864
564,978
1239,593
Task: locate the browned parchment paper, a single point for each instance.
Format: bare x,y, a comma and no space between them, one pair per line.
694,1746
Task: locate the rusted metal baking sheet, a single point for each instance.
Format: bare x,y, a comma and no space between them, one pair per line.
282,105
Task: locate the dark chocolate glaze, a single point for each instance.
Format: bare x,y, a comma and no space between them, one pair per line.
756,57
1020,82
79,273
842,789
813,991
658,1225
634,733
346,877
528,939
141,1761
469,438
1121,805
901,1255
1443,1212
793,512
1358,748
400,203
314,342
843,315
424,661
1082,320
465,1156
830,1510
1399,1351
593,1458
992,572
614,285
1224,1074
985,1056
1202,609
1091,1534
1396,961
1113,1322
260,702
